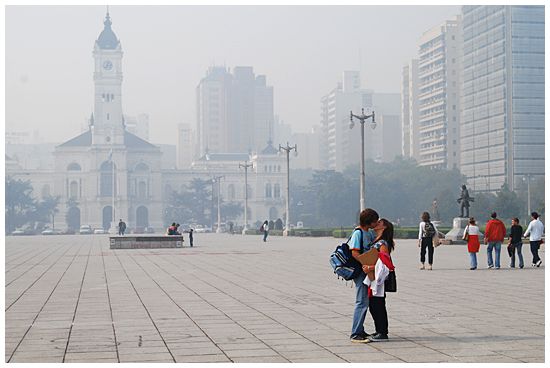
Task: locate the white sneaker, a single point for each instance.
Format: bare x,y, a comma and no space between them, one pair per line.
489,267
538,263
422,266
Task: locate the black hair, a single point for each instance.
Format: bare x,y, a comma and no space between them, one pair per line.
534,215
387,235
516,220
367,217
425,216
494,215
472,221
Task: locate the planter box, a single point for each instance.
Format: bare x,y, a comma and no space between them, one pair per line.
145,241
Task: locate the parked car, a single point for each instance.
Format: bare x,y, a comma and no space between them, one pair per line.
69,232
24,231
51,232
85,229
299,225
100,231
202,229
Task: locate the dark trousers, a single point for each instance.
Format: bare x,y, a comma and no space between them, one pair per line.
191,241
535,245
265,235
377,308
120,231
427,243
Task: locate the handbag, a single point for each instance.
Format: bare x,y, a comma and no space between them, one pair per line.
466,235
435,240
511,249
390,285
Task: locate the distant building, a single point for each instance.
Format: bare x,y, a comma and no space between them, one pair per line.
439,55
186,146
308,156
108,164
409,111
138,125
234,111
502,131
341,145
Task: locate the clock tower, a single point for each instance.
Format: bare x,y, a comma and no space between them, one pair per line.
108,125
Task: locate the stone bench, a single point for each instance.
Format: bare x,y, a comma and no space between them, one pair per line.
146,241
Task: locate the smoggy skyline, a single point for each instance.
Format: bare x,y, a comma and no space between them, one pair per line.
167,49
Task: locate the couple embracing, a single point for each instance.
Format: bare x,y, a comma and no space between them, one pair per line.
370,295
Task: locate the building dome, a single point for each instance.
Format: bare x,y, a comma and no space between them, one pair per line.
107,39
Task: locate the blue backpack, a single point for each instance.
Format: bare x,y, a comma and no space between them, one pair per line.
342,261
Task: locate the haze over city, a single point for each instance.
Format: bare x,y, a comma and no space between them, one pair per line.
168,49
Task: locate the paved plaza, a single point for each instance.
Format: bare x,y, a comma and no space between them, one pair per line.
237,299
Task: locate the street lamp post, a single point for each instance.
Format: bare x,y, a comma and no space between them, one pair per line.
246,165
214,180
287,149
362,118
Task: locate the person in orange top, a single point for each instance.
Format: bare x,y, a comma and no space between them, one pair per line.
495,231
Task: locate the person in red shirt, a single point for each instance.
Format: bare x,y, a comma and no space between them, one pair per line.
495,231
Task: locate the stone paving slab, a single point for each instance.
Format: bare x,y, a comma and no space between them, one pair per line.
237,299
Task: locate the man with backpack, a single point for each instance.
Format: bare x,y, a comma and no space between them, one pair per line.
495,231
359,243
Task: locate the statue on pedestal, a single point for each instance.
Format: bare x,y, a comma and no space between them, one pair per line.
464,202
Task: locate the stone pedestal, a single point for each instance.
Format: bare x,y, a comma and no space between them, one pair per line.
145,241
456,233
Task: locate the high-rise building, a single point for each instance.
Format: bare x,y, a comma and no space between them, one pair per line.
409,110
234,111
185,147
502,131
308,149
341,149
439,70
342,145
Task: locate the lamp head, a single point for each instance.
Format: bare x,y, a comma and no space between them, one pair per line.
373,125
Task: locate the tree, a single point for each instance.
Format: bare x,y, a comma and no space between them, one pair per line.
507,204
19,203
191,204
46,210
230,210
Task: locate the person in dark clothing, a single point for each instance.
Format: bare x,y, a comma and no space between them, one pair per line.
516,231
121,227
191,237
426,232
265,229
176,232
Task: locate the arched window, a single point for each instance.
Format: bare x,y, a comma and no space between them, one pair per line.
46,191
73,167
73,189
106,179
268,190
231,192
279,168
141,167
142,190
277,191
270,168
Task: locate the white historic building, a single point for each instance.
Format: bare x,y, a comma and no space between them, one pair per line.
107,158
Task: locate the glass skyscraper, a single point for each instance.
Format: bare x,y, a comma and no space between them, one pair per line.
502,122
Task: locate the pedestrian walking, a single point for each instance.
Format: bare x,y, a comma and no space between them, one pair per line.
471,234
121,227
426,232
376,288
495,231
515,243
360,242
191,237
265,229
535,230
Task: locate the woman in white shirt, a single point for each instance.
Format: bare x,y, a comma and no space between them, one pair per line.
426,232
473,242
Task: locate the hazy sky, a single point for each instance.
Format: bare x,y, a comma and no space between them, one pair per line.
167,49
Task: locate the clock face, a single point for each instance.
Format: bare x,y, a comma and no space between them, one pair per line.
107,65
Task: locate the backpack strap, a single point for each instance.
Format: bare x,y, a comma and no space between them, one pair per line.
360,239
